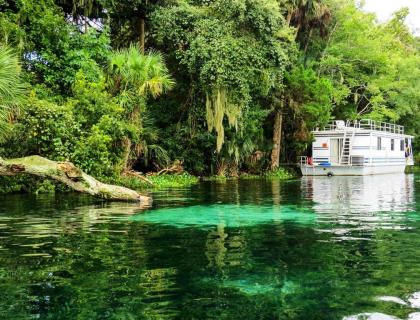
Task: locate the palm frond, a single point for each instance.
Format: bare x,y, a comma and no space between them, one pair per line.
12,90
143,73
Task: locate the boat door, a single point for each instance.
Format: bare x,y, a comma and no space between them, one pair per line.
335,150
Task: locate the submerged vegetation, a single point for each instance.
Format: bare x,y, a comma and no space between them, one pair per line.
223,88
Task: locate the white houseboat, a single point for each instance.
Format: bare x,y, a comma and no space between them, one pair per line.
360,147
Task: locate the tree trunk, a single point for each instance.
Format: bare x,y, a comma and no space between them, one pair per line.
289,18
142,35
277,130
308,39
68,174
297,30
126,144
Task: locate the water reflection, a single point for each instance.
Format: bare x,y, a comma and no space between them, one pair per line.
413,302
360,194
310,249
362,203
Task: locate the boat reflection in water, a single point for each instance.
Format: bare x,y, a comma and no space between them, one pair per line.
361,202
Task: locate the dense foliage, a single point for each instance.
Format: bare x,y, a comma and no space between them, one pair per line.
223,86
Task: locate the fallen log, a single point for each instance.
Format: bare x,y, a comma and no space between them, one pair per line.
68,174
137,175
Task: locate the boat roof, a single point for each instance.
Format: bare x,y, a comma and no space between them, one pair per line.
363,125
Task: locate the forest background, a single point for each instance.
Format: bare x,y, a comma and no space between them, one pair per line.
217,87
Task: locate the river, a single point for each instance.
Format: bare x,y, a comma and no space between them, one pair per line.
310,248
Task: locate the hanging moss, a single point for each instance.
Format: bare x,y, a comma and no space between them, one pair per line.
217,107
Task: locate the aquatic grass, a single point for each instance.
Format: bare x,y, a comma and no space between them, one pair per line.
174,181
279,173
165,181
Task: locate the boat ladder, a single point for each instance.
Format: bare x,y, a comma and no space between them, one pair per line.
347,146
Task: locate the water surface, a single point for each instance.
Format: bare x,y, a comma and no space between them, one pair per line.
311,248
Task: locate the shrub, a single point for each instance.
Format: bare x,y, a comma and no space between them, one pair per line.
44,128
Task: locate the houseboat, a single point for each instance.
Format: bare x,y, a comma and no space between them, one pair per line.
360,147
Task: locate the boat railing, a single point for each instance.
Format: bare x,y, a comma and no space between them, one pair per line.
304,161
355,161
366,124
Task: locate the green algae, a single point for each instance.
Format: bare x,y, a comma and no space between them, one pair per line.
229,215
252,285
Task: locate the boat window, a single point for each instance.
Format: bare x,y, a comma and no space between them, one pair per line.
392,144
401,145
379,144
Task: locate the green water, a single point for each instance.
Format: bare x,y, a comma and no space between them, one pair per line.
314,248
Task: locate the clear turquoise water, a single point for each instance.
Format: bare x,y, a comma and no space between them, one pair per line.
314,248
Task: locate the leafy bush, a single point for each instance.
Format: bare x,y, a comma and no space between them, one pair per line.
93,153
44,128
91,100
29,184
417,159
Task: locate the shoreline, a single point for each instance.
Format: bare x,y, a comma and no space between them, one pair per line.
31,185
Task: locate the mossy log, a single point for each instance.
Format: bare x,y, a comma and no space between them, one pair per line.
68,174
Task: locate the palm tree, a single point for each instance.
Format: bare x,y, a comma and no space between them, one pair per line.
12,90
143,74
307,14
135,77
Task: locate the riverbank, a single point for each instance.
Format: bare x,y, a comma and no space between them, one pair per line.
280,173
27,184
185,179
413,169
33,185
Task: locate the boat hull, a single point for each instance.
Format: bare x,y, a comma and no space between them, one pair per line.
308,170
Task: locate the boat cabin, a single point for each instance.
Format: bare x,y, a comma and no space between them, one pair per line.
359,147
